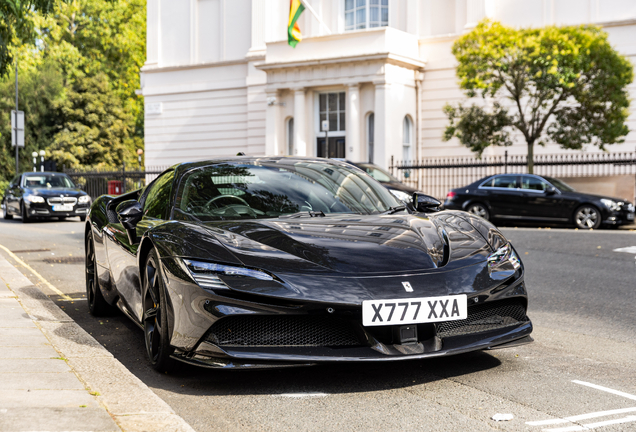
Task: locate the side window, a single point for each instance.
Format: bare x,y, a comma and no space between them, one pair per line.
533,183
509,182
157,200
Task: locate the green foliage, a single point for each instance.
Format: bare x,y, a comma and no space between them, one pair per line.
77,86
561,84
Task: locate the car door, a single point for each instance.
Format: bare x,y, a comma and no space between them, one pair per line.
122,254
540,200
503,195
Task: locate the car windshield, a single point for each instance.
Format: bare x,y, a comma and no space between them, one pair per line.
242,190
562,186
47,181
378,173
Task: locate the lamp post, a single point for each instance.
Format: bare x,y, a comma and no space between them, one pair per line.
42,154
35,160
139,153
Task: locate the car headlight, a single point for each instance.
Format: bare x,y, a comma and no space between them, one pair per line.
402,196
84,199
610,204
503,259
206,274
33,199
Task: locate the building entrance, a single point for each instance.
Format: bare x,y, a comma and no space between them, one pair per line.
335,148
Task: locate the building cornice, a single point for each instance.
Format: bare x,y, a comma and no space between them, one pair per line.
156,69
391,58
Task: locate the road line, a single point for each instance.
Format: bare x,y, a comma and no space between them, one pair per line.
629,249
605,389
44,281
589,426
576,418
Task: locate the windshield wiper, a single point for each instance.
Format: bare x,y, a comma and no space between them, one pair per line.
395,209
304,213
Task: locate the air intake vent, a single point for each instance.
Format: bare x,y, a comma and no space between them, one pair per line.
282,331
485,317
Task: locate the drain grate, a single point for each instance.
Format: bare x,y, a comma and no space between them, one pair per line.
65,260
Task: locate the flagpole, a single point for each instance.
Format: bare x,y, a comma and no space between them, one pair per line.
313,12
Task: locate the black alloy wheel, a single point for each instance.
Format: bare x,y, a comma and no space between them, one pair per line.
23,213
587,217
479,209
97,305
6,212
155,319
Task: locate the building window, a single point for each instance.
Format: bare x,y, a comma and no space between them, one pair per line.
370,135
361,14
332,108
407,139
290,136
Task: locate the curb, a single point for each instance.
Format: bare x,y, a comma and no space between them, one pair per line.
129,401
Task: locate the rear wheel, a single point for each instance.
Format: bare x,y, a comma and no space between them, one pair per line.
479,209
587,217
155,318
23,213
97,305
6,212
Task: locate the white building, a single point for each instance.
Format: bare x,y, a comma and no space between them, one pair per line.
220,77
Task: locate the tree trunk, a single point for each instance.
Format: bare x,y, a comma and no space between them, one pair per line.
530,157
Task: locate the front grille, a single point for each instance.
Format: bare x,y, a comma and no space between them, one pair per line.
65,200
485,317
282,331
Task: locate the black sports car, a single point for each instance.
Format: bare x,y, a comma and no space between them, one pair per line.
271,262
32,195
530,197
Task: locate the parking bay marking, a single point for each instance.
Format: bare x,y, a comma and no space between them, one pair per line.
629,249
589,426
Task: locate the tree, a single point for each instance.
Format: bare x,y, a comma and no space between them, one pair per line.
566,85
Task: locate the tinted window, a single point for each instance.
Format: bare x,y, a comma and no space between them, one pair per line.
157,200
562,186
533,183
262,190
509,182
47,181
378,173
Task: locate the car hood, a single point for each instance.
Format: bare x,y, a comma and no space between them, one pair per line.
56,192
354,245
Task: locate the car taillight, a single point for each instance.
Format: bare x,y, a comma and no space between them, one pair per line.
450,195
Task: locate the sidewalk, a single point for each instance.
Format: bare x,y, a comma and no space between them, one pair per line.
55,377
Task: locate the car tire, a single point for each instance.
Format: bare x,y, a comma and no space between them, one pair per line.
23,213
155,317
83,218
587,217
5,213
479,209
61,218
97,305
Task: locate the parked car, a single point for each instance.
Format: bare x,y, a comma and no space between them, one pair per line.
273,262
32,195
400,190
531,197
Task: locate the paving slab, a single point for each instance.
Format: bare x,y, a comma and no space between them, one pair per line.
29,352
47,399
57,419
40,381
32,365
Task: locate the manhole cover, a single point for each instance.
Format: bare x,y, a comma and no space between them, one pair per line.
65,260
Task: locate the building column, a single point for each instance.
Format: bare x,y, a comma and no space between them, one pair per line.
354,146
153,32
259,12
300,143
381,154
271,120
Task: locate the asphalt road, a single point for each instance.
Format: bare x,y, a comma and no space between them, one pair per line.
582,296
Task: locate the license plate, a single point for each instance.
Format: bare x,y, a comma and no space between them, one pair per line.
63,207
630,216
414,310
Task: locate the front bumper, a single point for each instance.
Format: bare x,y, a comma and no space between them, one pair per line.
43,210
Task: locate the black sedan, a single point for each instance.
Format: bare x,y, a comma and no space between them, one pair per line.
272,262
34,195
529,197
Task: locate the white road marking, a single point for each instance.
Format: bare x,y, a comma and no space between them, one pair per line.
605,389
590,426
629,249
302,395
581,417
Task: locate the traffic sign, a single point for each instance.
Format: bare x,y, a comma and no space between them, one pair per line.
17,132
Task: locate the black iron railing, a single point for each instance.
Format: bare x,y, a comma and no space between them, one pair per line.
437,176
98,182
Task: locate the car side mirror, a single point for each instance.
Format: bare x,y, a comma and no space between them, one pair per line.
551,190
129,214
424,203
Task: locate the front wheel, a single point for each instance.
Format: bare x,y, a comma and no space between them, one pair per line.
479,209
97,305
6,212
23,213
155,318
587,217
